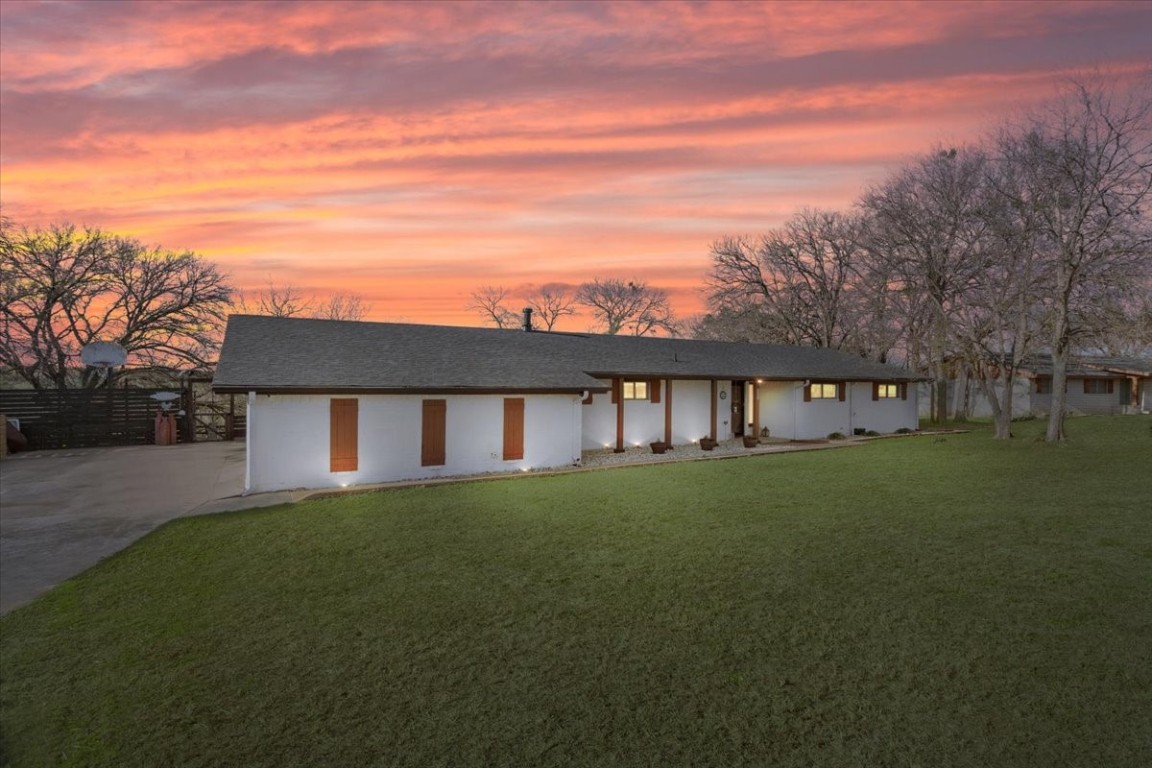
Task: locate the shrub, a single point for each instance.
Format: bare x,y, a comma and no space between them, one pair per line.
859,431
835,435
904,431
872,433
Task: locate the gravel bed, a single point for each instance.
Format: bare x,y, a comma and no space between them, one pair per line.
642,454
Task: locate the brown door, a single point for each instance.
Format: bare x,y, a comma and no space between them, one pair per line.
738,408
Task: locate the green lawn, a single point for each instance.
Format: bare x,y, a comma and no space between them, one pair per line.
929,601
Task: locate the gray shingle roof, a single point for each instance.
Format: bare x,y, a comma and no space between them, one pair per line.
1098,366
270,353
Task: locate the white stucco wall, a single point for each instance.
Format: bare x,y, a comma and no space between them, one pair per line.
780,403
822,417
883,416
644,420
692,411
288,438
1076,401
784,412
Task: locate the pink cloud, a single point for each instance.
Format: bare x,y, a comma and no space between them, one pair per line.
410,152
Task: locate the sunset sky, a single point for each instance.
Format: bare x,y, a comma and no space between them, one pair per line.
410,153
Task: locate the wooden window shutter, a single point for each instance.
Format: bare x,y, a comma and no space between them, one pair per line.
875,390
904,390
1111,386
842,391
807,393
1087,388
343,434
654,390
432,452
513,428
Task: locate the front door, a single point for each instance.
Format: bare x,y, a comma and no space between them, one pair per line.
737,408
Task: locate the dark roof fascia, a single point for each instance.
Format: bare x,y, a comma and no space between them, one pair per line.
749,377
266,390
1119,369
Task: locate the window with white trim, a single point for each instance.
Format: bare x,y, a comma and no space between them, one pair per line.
635,390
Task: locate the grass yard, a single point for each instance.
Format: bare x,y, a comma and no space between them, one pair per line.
930,601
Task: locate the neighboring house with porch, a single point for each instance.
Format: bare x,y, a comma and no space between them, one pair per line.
1095,384
333,403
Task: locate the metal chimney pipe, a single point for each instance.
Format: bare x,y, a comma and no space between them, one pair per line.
527,324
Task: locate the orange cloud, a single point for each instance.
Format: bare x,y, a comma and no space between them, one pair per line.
411,152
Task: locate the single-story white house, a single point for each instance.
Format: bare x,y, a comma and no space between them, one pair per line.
333,403
1095,384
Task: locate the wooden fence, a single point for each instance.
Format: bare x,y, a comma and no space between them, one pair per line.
86,418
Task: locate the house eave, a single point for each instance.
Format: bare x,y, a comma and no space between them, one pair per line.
282,390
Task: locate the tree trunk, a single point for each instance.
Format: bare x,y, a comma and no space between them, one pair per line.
940,397
1003,409
961,395
1055,432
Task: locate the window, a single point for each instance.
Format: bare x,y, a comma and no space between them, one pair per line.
343,415
823,391
1043,385
513,428
1097,386
885,391
635,390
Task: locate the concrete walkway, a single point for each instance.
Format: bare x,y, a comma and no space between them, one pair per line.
61,512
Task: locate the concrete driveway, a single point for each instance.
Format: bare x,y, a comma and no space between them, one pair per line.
62,512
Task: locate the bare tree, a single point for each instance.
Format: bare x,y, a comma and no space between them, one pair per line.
1085,163
1124,326
803,279
631,305
928,226
62,288
488,302
999,320
550,303
274,301
343,306
732,324
288,300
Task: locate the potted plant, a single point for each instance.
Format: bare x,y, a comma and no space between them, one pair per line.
658,446
751,441
707,443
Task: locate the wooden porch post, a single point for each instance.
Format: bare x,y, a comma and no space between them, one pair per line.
755,408
712,433
618,393
668,413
